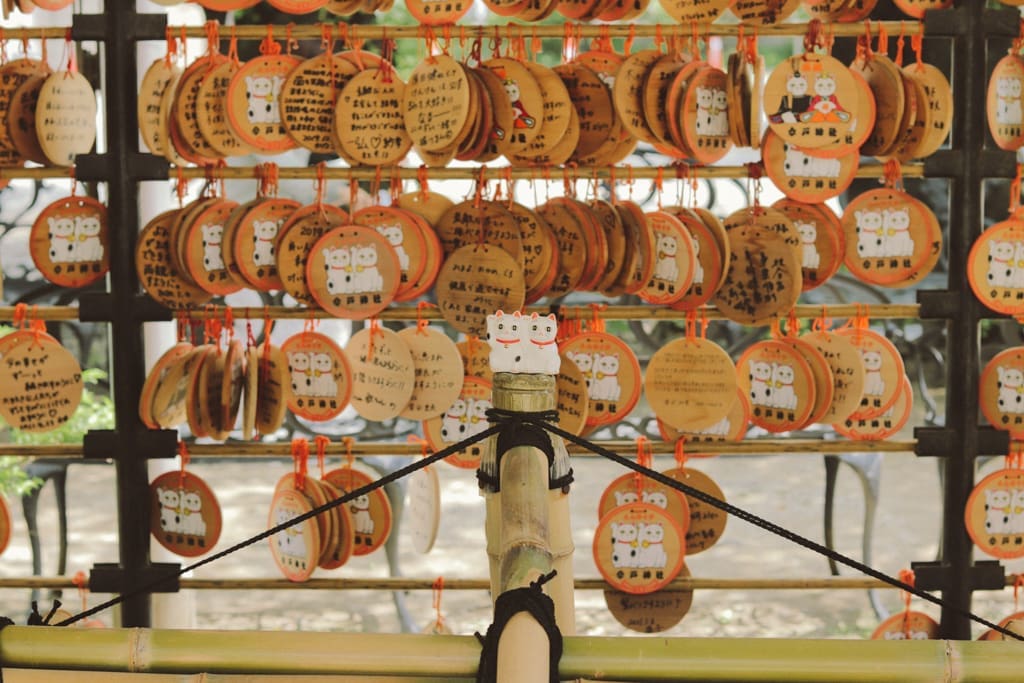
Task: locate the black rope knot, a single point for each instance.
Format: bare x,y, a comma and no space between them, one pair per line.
510,603
521,429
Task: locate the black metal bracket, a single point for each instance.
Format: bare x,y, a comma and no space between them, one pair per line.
153,444
936,576
94,27
100,167
935,442
952,22
159,577
949,163
99,307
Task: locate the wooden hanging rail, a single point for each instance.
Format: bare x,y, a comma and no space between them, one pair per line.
411,583
612,312
282,449
458,31
622,173
554,173
378,31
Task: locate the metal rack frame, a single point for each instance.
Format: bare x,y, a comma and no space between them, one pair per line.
971,29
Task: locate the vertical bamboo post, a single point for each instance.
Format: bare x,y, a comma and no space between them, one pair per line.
520,535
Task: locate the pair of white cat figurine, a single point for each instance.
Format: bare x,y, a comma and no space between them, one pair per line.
523,344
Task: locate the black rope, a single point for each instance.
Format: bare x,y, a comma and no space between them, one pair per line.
774,528
521,429
510,603
351,495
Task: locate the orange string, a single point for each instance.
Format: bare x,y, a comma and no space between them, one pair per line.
680,452
907,577
438,589
424,444
81,582
300,461
349,458
421,322
321,442
185,460
374,331
1018,581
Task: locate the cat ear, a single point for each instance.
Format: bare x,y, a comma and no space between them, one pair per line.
552,317
533,316
498,314
517,314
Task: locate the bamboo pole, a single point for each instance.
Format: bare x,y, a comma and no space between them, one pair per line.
553,174
476,584
517,526
408,313
376,32
632,659
53,676
367,448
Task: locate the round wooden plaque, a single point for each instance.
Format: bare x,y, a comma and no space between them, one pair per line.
466,416
475,281
612,375
369,121
638,548
66,117
438,372
803,175
308,98
895,235
810,99
907,625
733,427
404,232
320,378
383,373
42,384
626,490
353,272
436,103
779,383
69,242
254,242
1001,391
847,367
423,507
371,513
883,371
651,613
297,548
184,516
886,425
211,101
822,241
295,240
690,384
707,523
573,400
272,393
476,358
994,516
204,249
254,102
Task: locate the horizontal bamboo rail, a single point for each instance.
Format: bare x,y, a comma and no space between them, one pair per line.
601,658
410,313
376,32
551,174
253,449
424,584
